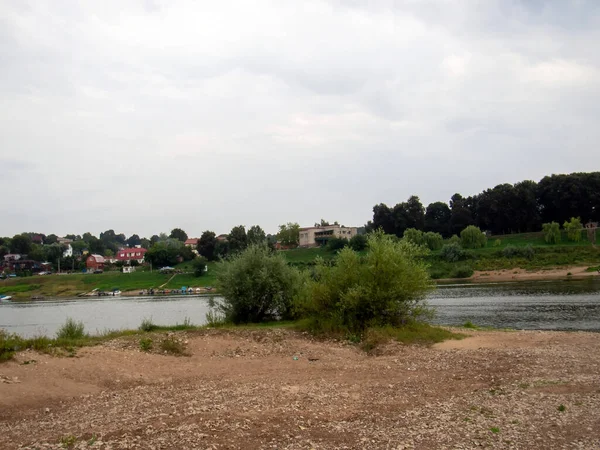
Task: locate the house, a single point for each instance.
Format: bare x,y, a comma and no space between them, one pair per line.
68,251
128,269
319,235
127,255
12,257
65,241
22,264
222,237
94,262
192,242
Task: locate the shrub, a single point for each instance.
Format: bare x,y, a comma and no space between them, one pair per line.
335,243
454,240
497,243
257,285
472,237
452,252
415,236
71,330
173,346
358,242
510,251
147,325
146,344
199,265
385,287
551,232
573,229
434,241
462,271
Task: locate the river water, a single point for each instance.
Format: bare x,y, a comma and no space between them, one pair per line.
555,305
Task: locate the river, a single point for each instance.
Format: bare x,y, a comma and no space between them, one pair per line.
553,305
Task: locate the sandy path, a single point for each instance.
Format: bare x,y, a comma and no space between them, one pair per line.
246,390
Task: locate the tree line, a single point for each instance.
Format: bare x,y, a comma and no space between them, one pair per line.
504,209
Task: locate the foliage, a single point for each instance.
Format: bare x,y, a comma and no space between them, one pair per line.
386,286
358,242
207,244
336,243
462,271
551,232
147,325
452,252
497,243
145,344
472,237
289,234
257,285
71,330
256,235
433,241
573,229
199,265
165,253
510,251
20,243
397,220
179,234
173,346
454,240
414,236
437,218
133,240
238,239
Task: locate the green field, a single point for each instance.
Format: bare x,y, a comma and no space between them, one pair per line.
74,284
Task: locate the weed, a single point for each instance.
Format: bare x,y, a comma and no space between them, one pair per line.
172,346
495,430
515,422
469,324
29,361
92,440
68,441
524,385
71,330
569,274
562,408
146,344
147,325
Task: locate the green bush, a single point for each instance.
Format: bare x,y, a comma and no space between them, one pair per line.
358,243
147,325
434,241
199,265
462,271
335,243
146,344
257,285
573,229
385,287
71,330
452,253
551,232
414,236
454,240
472,237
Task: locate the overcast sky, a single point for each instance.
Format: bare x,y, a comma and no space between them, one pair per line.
142,116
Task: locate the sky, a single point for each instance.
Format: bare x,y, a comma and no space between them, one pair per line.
143,116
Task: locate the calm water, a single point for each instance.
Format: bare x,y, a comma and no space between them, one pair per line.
556,305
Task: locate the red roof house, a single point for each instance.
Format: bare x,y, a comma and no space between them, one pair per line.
192,242
131,254
95,262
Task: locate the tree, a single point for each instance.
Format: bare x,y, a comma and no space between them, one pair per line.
96,246
434,241
134,240
207,245
4,250
199,265
289,234
573,229
21,244
415,213
461,216
472,237
145,243
154,239
551,232
415,236
51,239
88,236
179,234
257,285
385,287
437,218
163,254
256,235
358,242
237,238
382,218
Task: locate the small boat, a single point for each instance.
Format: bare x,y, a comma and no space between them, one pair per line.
115,293
5,298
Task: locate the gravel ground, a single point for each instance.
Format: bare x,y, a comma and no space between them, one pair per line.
277,389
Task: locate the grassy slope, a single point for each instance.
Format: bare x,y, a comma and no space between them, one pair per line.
73,284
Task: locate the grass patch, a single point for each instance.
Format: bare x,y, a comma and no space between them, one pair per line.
173,346
471,325
495,430
145,344
413,333
561,408
71,330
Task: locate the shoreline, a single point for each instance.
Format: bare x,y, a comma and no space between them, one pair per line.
517,274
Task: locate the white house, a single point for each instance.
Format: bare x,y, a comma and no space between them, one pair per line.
68,251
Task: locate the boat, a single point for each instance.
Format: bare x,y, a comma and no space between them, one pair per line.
5,298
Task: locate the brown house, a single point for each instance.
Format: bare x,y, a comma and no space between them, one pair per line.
94,262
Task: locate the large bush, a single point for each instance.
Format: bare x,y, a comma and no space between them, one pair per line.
434,241
551,232
452,252
257,285
358,243
573,229
472,237
386,286
336,243
413,235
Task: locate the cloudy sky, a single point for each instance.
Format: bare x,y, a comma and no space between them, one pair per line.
142,116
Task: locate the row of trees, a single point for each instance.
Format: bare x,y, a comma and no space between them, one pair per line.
504,209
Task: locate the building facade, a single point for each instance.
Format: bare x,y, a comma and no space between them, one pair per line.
318,236
131,254
94,262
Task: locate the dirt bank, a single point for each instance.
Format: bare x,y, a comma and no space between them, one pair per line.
281,389
517,274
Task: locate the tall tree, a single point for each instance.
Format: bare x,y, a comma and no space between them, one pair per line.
207,245
51,239
382,218
461,216
289,234
415,213
134,240
179,234
437,218
256,235
238,239
20,243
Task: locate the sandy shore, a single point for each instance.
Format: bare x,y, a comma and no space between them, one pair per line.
281,389
563,273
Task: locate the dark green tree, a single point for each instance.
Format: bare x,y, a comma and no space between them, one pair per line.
256,235
21,244
179,234
207,245
238,239
134,240
437,218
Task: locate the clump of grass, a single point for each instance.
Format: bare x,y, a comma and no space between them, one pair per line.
412,333
147,325
172,346
146,344
71,330
495,430
471,325
562,408
68,441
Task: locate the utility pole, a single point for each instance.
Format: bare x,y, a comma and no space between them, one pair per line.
59,264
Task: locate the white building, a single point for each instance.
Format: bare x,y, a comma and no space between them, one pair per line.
317,236
69,251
